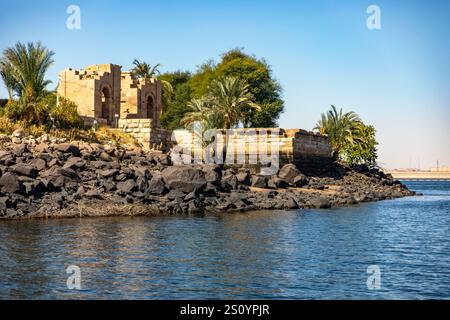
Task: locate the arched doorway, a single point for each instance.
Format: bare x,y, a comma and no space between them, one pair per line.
106,105
150,108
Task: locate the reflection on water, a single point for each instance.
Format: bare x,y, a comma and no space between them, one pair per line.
283,255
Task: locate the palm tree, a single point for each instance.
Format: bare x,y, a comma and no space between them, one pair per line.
23,69
230,97
6,72
342,129
143,70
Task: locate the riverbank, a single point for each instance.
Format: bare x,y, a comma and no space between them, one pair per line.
420,175
52,178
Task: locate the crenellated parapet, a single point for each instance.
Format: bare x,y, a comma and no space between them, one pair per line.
104,93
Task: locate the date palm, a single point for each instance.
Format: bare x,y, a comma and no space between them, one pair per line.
23,69
143,70
342,129
6,72
231,99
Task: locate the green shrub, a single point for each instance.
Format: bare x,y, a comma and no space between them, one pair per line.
28,113
65,115
7,126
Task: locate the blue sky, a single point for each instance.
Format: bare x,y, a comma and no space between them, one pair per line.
396,78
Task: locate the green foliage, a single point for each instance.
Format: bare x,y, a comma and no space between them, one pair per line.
7,126
226,102
175,109
29,113
23,69
65,115
144,70
364,152
201,80
265,91
351,140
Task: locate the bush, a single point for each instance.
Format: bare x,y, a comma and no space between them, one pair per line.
65,115
7,126
116,136
27,113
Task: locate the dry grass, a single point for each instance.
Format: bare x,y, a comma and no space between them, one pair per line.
102,135
7,126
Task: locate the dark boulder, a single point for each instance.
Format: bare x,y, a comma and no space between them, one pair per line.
108,173
141,171
25,170
19,150
229,181
39,187
244,178
184,178
68,148
300,180
38,163
288,172
259,181
320,202
93,193
75,163
213,173
142,183
127,186
5,203
9,183
279,182
175,194
156,186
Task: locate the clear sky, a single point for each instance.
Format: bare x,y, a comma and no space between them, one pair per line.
396,78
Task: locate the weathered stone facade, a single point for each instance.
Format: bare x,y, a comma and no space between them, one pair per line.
304,148
104,93
117,99
146,133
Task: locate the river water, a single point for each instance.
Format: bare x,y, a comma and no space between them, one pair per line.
304,254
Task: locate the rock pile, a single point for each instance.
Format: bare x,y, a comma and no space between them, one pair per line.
43,178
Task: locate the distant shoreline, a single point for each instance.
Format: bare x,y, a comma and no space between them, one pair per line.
420,175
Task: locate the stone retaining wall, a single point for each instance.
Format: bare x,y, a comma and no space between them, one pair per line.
251,147
304,148
142,130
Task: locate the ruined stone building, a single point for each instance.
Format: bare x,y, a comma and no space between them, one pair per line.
104,93
116,99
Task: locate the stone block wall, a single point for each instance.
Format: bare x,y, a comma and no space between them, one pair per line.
304,148
142,131
245,147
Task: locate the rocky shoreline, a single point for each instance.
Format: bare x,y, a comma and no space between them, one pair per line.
52,178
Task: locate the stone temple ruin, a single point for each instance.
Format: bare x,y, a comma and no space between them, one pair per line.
106,95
